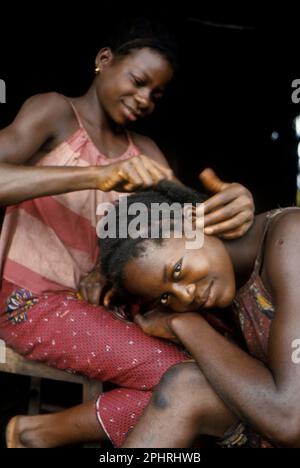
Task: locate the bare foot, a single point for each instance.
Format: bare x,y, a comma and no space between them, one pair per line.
72,426
12,434
26,432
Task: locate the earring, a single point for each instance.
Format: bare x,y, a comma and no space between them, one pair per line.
97,69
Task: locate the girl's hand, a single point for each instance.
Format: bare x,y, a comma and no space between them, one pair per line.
90,287
136,173
156,322
230,212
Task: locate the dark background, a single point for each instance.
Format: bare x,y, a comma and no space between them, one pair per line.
233,89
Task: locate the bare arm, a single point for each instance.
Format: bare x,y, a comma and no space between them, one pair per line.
265,397
20,183
36,124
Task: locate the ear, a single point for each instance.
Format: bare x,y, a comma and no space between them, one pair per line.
104,58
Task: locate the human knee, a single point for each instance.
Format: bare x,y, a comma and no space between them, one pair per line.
181,382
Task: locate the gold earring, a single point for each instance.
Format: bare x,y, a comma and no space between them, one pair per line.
97,69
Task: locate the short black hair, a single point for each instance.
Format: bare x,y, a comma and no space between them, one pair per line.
116,252
141,32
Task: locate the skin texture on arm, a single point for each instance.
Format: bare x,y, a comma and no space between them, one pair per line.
24,138
267,398
32,134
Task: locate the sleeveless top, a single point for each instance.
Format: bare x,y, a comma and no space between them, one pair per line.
49,243
253,304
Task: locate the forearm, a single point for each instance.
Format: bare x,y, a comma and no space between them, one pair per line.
244,384
20,183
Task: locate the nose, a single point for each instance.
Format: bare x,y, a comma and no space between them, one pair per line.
185,293
143,99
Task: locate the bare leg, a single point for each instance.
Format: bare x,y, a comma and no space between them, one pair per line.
182,407
74,425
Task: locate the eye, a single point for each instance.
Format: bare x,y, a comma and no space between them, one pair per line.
138,81
177,270
164,299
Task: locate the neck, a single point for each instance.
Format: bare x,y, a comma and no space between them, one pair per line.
243,251
94,114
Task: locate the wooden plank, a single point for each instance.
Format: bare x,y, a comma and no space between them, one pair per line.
16,364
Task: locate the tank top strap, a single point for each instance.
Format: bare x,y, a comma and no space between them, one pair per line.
76,114
132,147
270,215
129,138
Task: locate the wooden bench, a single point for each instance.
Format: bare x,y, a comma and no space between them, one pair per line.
16,364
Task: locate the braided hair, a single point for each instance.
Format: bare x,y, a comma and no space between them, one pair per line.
116,252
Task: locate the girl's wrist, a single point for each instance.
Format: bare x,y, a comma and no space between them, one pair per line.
184,320
96,176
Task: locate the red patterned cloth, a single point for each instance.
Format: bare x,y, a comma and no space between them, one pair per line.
67,333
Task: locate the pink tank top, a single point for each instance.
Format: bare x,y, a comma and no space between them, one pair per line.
49,243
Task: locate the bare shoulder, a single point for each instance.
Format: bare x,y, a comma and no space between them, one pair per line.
43,122
149,148
282,247
285,225
50,106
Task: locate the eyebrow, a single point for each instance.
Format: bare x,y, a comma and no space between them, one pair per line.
137,69
148,77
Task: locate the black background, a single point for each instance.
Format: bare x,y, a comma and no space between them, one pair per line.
233,89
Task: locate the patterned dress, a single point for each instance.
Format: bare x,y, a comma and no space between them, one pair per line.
254,309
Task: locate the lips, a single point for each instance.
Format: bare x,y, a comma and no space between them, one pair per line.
205,297
130,113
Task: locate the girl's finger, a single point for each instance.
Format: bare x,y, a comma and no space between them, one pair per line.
155,173
143,172
140,321
228,211
131,176
83,291
166,172
94,294
235,233
236,222
232,192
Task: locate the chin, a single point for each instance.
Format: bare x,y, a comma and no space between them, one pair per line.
225,303
227,298
120,121
116,117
